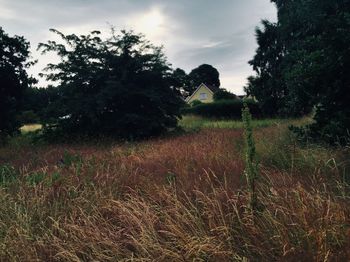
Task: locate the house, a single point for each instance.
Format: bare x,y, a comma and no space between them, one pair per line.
204,93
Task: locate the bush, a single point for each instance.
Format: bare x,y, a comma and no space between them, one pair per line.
196,102
223,109
28,117
223,94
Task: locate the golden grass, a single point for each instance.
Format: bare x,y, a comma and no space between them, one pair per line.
174,199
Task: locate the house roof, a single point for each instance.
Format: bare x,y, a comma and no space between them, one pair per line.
211,88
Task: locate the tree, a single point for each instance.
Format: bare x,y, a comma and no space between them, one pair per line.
206,74
312,65
181,82
319,62
41,101
120,86
14,60
268,86
223,94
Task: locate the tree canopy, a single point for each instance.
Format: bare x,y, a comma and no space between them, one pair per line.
303,61
119,86
14,60
206,74
181,81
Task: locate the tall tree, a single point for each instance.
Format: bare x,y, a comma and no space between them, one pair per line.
318,38
120,86
268,86
14,60
314,65
206,74
181,82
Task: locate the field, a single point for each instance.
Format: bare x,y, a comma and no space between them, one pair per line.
176,198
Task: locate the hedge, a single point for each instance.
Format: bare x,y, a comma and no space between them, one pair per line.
223,109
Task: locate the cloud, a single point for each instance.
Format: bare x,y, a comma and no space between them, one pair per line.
220,33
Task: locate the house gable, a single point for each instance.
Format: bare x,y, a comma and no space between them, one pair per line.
203,93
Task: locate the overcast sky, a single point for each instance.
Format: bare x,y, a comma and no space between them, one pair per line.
193,32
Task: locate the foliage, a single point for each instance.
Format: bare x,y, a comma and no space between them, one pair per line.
251,170
206,74
120,87
28,117
303,61
181,82
267,86
14,55
223,94
223,108
196,102
42,102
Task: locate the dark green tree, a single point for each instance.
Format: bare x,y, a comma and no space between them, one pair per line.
14,60
319,62
268,86
313,65
41,101
206,74
181,82
120,86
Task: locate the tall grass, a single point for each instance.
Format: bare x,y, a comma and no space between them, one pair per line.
175,199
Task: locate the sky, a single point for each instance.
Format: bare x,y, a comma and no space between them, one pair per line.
193,32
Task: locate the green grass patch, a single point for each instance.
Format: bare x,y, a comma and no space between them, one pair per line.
191,122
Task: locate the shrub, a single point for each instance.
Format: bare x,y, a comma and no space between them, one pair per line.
223,94
196,102
223,109
28,117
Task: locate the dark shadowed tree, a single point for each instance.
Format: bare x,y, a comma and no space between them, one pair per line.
317,36
206,74
120,86
303,61
181,82
268,86
14,55
41,101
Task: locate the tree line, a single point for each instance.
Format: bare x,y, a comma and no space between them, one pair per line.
121,86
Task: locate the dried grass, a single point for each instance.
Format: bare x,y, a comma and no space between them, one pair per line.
174,199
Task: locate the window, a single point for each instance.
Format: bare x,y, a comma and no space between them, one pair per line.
203,96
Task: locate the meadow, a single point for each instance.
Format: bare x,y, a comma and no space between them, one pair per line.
176,198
